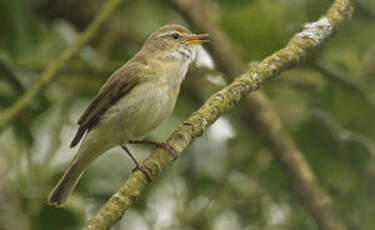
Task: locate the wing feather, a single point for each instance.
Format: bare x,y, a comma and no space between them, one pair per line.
119,84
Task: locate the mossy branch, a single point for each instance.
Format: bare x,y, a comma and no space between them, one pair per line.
258,113
49,74
299,47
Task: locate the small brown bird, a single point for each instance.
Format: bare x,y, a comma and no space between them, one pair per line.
134,100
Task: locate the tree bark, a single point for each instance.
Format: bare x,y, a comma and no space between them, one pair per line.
299,48
258,113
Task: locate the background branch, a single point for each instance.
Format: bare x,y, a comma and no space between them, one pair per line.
260,115
54,67
298,48
11,79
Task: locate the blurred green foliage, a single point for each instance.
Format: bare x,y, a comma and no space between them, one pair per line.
227,179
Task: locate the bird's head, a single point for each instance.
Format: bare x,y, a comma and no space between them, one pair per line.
174,43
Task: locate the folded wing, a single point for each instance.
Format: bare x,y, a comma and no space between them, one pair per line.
118,85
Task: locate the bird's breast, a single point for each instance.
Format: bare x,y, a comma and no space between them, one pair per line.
157,101
144,108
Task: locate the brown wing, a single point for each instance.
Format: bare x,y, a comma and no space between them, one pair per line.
116,86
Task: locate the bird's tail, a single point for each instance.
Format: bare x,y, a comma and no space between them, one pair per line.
65,185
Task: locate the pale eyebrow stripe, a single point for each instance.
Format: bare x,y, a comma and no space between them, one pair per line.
169,32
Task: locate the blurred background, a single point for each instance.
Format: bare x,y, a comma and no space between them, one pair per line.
228,178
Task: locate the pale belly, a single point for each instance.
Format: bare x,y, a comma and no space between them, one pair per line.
136,114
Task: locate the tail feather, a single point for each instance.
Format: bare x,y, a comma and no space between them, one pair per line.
65,185
91,148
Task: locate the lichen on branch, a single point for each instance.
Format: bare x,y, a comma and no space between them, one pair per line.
297,49
260,116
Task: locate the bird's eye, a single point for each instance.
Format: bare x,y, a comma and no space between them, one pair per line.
175,36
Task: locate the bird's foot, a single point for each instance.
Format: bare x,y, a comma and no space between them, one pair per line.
140,166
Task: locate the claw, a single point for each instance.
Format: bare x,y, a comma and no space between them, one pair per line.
143,168
146,170
169,148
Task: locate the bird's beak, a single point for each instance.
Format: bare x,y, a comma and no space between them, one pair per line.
196,39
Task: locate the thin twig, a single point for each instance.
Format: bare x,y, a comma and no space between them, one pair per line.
344,134
344,79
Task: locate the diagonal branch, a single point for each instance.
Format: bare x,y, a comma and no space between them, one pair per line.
260,115
299,48
55,66
9,76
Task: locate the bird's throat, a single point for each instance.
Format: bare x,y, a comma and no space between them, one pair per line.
180,55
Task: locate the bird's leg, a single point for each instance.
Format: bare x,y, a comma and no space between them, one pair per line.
146,170
163,145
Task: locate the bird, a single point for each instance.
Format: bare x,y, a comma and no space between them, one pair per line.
135,99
